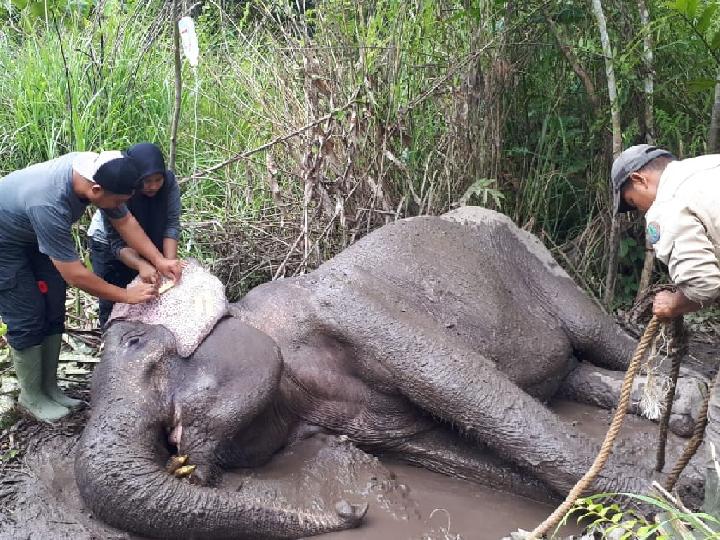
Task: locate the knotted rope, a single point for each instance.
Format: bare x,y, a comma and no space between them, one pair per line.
606,448
677,348
692,445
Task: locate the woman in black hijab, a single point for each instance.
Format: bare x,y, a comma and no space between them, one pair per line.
156,206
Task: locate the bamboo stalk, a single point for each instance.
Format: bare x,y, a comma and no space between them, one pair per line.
611,276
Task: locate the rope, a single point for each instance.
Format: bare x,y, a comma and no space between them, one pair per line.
606,448
691,446
677,355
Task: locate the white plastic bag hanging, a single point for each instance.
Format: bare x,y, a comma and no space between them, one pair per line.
186,26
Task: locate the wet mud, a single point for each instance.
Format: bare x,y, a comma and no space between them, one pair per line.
404,502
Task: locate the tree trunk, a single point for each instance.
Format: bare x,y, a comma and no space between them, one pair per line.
714,132
646,275
178,85
611,276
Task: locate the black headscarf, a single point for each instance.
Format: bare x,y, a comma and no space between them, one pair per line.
151,212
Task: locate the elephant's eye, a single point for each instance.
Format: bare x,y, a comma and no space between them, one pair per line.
131,338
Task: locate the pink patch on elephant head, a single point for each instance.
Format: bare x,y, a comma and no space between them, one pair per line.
189,310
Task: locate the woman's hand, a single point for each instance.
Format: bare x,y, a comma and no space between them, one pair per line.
170,268
148,273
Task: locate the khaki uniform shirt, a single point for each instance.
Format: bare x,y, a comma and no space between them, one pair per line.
683,226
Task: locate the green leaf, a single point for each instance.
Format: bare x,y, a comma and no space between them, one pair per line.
650,500
680,6
10,454
701,85
691,8
624,249
3,329
36,10
715,43
706,18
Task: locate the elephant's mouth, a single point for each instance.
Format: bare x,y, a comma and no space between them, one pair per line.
175,435
178,464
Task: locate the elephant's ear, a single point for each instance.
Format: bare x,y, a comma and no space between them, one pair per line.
190,309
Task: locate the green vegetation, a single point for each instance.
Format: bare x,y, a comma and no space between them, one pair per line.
673,521
400,108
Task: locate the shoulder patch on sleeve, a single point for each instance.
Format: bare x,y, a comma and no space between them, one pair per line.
653,232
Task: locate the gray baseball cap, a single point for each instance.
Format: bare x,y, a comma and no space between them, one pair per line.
629,161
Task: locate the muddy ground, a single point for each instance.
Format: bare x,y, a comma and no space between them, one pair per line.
39,498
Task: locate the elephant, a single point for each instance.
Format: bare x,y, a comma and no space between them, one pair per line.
433,339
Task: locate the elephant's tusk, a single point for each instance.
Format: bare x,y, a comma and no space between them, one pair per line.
175,463
184,471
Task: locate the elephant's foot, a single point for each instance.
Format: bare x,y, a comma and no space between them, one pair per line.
601,387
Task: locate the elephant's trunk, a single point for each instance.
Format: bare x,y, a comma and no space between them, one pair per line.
120,472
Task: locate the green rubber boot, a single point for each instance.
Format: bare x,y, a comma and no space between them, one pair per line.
50,357
28,368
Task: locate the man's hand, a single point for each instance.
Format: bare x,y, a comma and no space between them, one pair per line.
148,273
170,268
140,293
668,305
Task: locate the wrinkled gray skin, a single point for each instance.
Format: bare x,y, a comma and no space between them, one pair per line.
220,396
432,339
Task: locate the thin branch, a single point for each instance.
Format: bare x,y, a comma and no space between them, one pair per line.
70,106
713,52
276,140
572,59
178,85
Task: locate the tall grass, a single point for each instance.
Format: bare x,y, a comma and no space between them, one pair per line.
381,152
397,108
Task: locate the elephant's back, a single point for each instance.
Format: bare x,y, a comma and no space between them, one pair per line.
465,278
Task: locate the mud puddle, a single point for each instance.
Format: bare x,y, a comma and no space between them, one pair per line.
404,502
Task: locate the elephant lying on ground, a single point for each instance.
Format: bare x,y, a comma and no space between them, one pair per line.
434,339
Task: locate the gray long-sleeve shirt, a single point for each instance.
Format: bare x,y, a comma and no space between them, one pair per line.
39,206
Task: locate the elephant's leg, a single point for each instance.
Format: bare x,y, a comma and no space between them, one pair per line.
594,335
444,451
442,375
601,387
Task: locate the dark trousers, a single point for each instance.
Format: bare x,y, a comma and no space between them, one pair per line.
111,270
32,296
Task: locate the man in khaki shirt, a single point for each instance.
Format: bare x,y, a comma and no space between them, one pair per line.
681,203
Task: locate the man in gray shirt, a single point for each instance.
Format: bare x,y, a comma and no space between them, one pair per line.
39,205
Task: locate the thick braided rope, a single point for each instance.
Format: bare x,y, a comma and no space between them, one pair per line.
692,445
665,421
606,448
